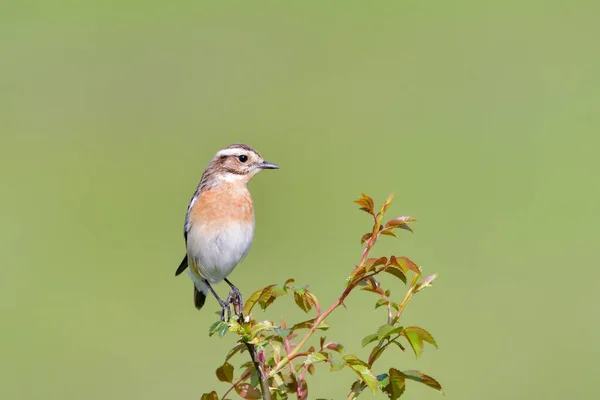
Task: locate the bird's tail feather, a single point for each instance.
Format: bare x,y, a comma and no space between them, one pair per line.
199,298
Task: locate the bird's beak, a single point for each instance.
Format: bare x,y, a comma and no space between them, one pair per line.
268,165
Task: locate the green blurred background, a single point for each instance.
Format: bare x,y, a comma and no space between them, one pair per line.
482,117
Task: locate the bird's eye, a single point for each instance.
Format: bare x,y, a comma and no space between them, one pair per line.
243,158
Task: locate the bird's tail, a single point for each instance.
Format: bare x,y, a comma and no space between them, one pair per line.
199,298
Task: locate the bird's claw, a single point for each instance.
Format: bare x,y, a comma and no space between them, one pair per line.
235,298
225,311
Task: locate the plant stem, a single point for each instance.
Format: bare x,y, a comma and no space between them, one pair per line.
285,360
264,380
320,318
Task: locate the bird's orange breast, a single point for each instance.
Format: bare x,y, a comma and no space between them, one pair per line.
222,204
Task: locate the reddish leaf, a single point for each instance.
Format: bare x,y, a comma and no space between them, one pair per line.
405,264
225,373
247,391
210,396
356,272
371,285
371,263
366,203
400,223
333,346
366,237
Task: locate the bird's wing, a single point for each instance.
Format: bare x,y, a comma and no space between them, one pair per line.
182,266
186,229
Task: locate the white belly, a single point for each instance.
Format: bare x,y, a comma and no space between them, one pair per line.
214,253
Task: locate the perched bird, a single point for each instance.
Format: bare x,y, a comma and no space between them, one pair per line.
219,222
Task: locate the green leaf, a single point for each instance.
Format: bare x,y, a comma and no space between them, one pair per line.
247,391
210,396
304,299
398,344
282,332
405,264
314,358
388,232
218,326
225,373
384,331
259,327
380,303
362,370
426,282
396,386
278,381
369,339
422,378
387,203
422,333
397,272
337,364
416,336
266,296
234,351
383,380
253,299
309,323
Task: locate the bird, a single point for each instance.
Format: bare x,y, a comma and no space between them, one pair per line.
219,223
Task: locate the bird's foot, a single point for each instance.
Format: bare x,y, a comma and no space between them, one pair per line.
225,310
235,298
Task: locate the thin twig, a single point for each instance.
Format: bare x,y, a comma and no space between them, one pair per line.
320,318
233,385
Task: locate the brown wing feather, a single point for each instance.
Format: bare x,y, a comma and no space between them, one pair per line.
182,266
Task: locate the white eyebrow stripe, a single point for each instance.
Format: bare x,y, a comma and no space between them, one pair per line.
230,152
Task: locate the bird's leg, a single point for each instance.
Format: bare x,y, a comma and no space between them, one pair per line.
235,298
225,311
